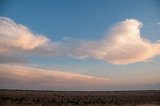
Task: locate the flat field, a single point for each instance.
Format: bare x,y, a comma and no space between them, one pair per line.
80,98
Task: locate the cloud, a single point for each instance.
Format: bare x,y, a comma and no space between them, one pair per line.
17,42
12,59
158,23
16,38
122,45
12,76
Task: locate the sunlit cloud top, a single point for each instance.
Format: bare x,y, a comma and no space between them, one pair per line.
123,44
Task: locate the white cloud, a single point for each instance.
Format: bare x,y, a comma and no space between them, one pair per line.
16,38
17,42
122,45
21,76
158,23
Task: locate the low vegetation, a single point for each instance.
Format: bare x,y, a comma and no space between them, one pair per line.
78,97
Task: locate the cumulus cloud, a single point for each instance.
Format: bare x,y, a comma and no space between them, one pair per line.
15,38
122,45
21,76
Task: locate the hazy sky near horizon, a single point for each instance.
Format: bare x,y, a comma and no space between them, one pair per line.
80,44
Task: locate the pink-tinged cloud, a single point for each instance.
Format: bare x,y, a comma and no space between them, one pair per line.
35,78
122,45
16,38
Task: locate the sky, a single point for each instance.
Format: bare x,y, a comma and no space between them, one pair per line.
80,44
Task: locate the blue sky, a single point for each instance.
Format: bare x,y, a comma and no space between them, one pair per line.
89,20
79,19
